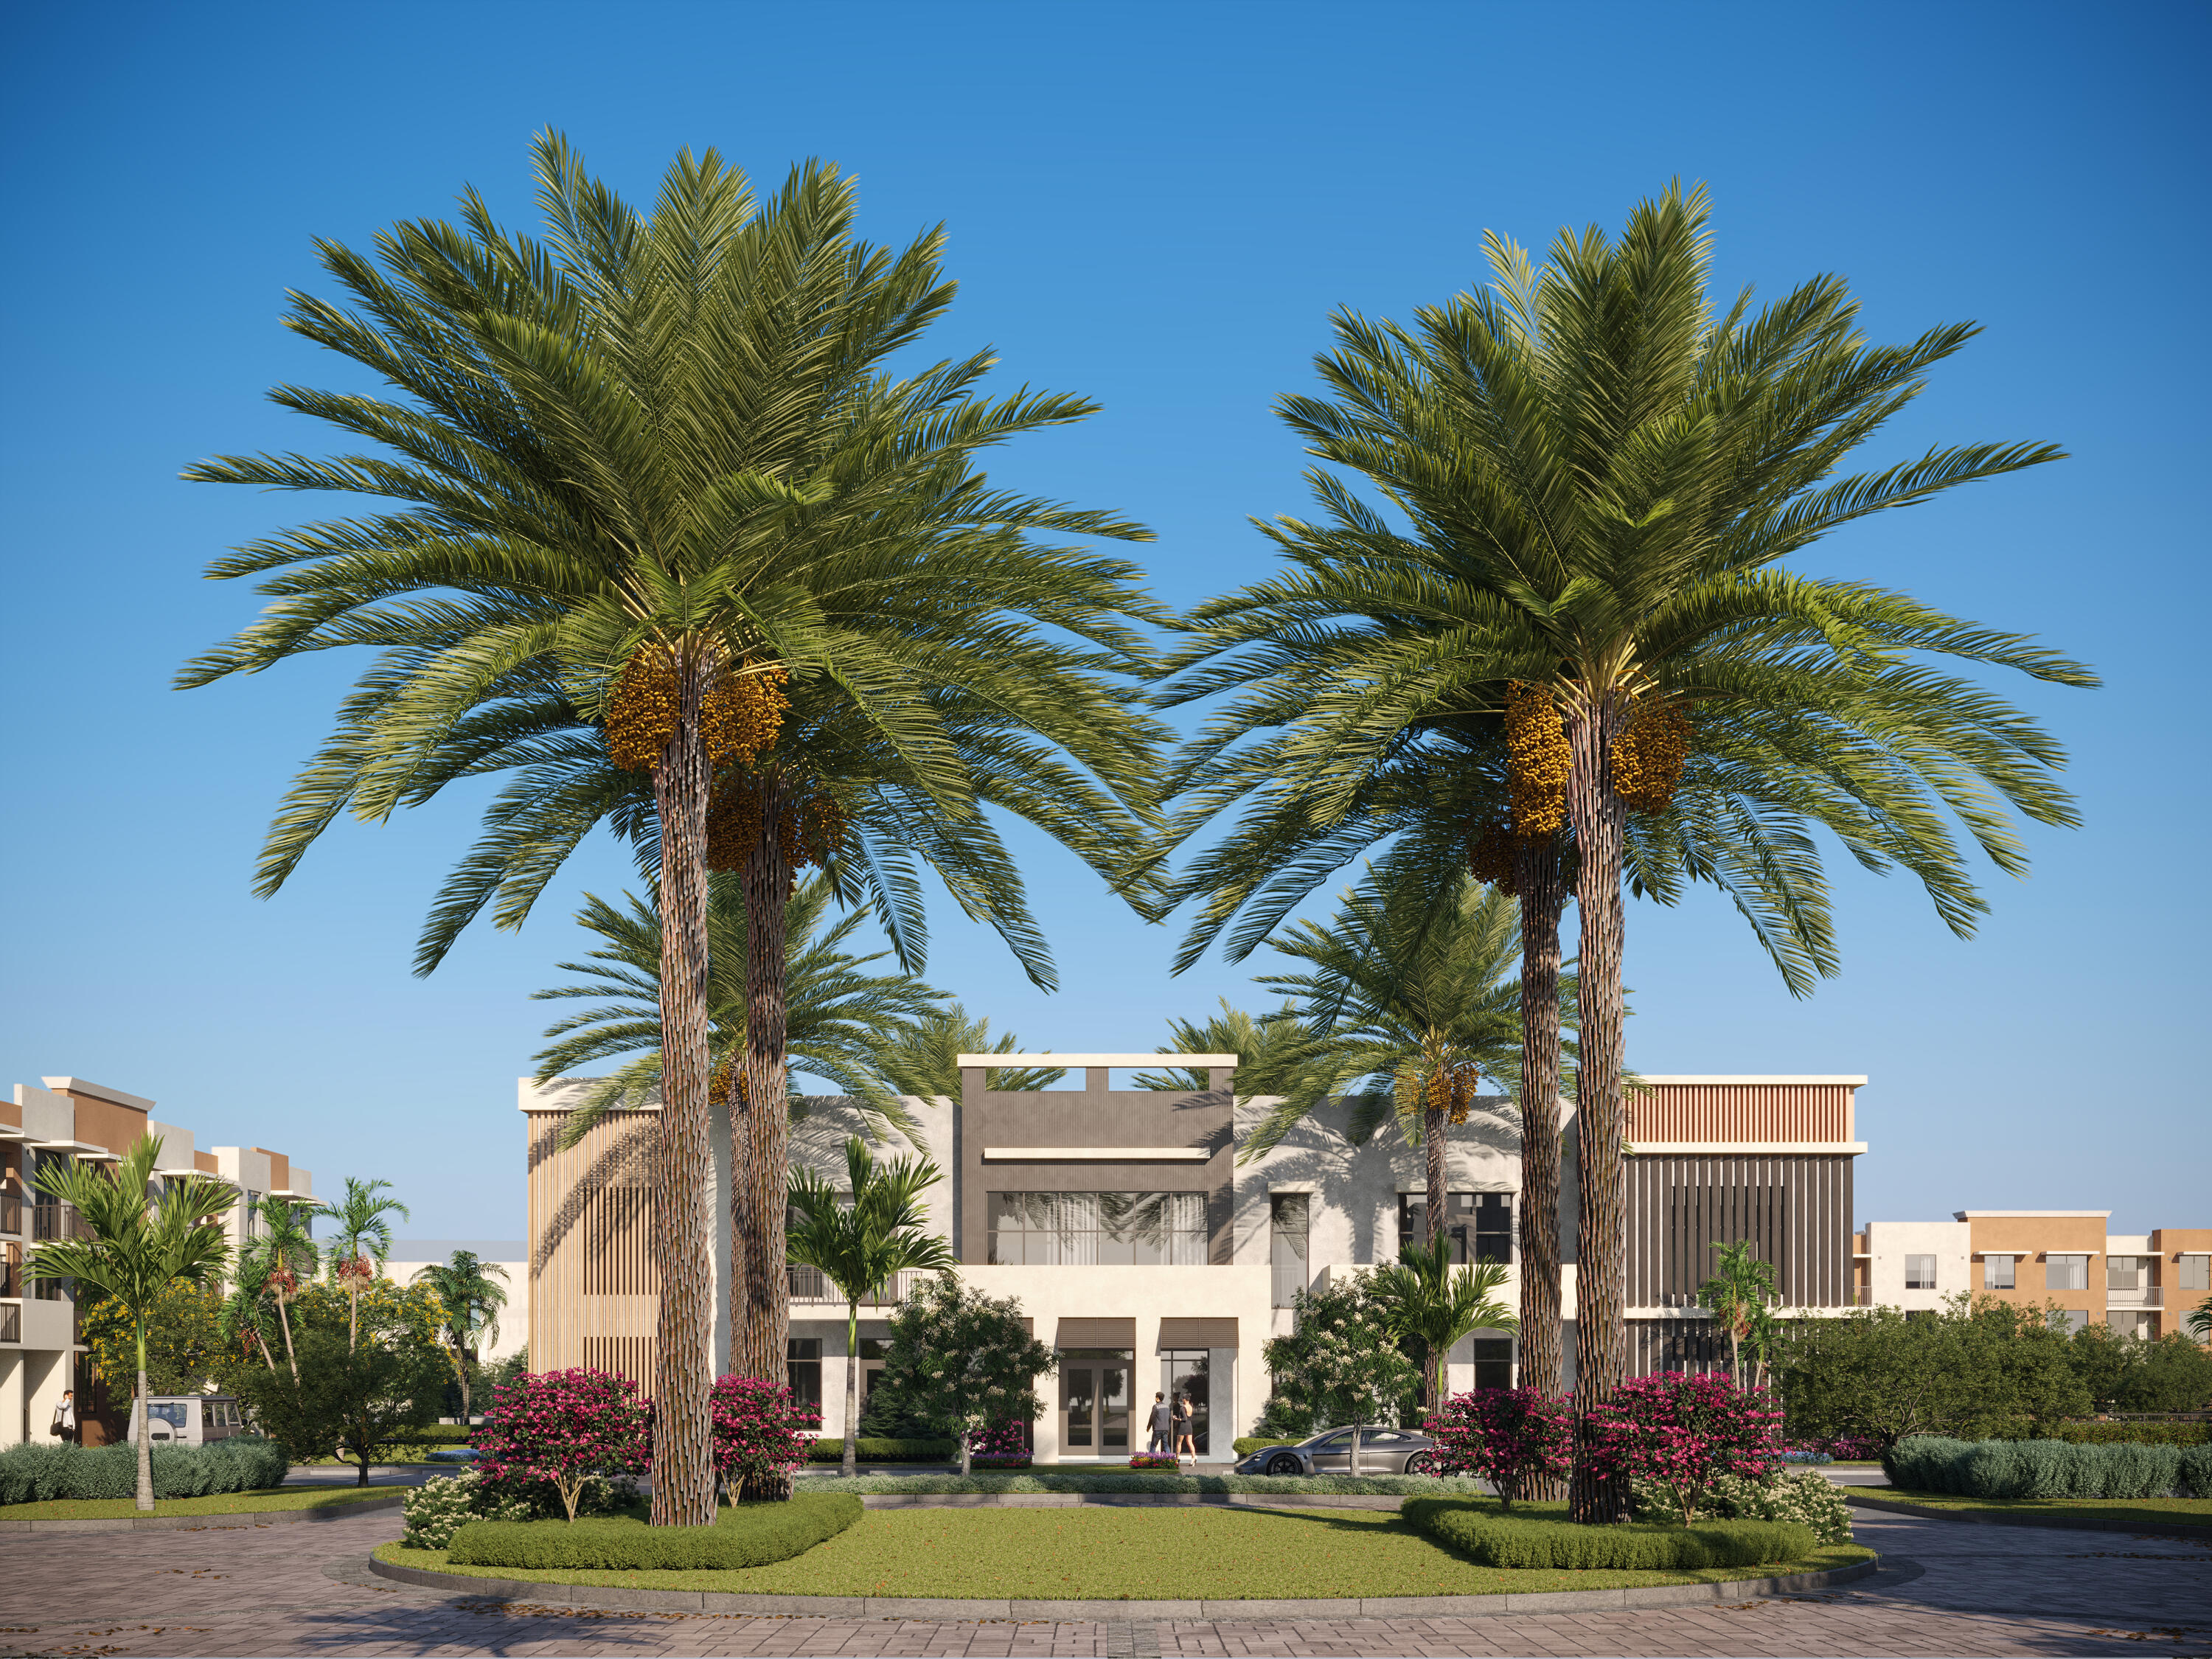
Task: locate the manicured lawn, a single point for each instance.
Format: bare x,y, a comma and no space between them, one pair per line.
1108,1552
229,1503
2190,1511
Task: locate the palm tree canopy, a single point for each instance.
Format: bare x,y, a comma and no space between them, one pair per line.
1587,482
1264,1047
139,1246
1425,1300
922,1058
877,1227
1399,996
678,432
360,1227
839,1016
285,1242
469,1289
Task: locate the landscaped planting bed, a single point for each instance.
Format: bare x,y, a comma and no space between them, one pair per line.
746,1535
2188,1511
1109,1554
1485,1535
233,1503
1136,1480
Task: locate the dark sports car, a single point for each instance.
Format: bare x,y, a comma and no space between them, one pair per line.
1382,1451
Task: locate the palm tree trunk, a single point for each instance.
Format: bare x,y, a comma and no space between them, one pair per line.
145,1446
284,1319
684,1341
1541,885
852,1458
1432,1147
1600,1118
760,1123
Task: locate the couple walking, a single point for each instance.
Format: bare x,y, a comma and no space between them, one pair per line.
1171,1431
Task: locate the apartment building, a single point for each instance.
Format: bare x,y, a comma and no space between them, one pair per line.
71,1120
1153,1260
2140,1283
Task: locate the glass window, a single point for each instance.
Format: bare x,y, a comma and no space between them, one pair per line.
2066,1273
1997,1272
1065,1230
803,1369
2067,1320
2197,1273
2123,1273
252,1225
1480,1223
1493,1361
1290,1218
1920,1273
171,1411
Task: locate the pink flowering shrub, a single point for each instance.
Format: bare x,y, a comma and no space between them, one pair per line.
1006,1447
1153,1460
761,1435
1512,1437
1682,1434
562,1427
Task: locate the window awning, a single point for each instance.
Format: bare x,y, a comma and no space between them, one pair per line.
1198,1332
1095,1333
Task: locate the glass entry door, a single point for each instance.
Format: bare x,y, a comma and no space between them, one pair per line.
1183,1375
1094,1402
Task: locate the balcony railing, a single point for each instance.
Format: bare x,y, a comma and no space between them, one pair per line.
811,1285
11,1213
2143,1296
53,1221
11,1323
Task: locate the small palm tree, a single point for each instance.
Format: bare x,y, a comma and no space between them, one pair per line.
285,1258
139,1246
1428,1304
1737,1296
467,1291
244,1311
361,1234
2199,1320
860,1239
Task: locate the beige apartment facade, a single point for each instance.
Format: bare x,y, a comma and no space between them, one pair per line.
1152,1259
69,1120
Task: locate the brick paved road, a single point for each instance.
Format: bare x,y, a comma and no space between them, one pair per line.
265,1590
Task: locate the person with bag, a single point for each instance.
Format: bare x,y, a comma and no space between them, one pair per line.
1184,1416
64,1426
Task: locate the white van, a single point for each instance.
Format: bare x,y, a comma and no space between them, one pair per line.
188,1419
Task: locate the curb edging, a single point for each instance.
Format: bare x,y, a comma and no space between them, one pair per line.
1998,1518
235,1518
965,1611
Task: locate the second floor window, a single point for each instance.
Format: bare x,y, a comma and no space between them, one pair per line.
1920,1273
2195,1272
1479,1224
2066,1273
1289,1221
1106,1230
1996,1272
2123,1273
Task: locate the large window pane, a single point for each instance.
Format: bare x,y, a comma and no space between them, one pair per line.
1997,1272
1288,1244
1479,1224
1098,1228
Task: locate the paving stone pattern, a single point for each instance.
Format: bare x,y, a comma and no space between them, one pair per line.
300,1590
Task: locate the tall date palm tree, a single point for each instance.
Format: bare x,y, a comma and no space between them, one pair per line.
1593,479
672,548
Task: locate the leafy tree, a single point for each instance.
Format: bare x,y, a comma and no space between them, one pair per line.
355,1401
2175,1375
361,1242
963,1362
922,1058
1580,651
139,1247
1878,1374
1341,1363
863,1238
675,548
1742,1289
1429,1306
185,1346
470,1292
837,1015
285,1259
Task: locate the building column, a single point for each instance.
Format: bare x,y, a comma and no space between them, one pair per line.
15,1401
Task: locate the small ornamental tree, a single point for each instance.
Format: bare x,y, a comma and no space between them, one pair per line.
963,1361
564,1427
1682,1434
760,1438
1513,1438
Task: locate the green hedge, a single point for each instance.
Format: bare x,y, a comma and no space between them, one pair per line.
33,1473
1252,1443
2046,1469
1117,1480
872,1450
1492,1539
2132,1434
747,1536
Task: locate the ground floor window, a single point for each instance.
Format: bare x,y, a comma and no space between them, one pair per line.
1186,1374
803,1369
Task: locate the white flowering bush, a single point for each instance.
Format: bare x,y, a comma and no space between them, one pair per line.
441,1506
1798,1495
1341,1363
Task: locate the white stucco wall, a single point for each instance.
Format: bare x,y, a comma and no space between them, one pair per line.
1888,1242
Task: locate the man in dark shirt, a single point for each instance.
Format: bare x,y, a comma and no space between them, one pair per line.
1163,1439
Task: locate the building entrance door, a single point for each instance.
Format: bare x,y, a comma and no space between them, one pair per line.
1183,1375
1094,1402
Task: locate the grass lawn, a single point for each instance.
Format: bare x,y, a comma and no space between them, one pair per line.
1108,1552
229,1503
2189,1512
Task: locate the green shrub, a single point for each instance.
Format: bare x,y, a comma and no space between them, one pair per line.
1492,1539
746,1535
444,1503
2132,1434
1118,1480
1249,1443
2194,1474
2034,1469
1799,1495
32,1474
872,1449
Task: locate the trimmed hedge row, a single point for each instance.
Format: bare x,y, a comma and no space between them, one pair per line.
1492,1539
872,1450
1249,1443
2132,1434
34,1473
1118,1480
746,1536
2046,1469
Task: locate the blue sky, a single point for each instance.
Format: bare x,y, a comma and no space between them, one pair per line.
1158,206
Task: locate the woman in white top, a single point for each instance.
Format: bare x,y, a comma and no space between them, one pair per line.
65,1417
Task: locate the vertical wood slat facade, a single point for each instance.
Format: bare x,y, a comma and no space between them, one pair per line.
1796,1208
1740,1111
594,1287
